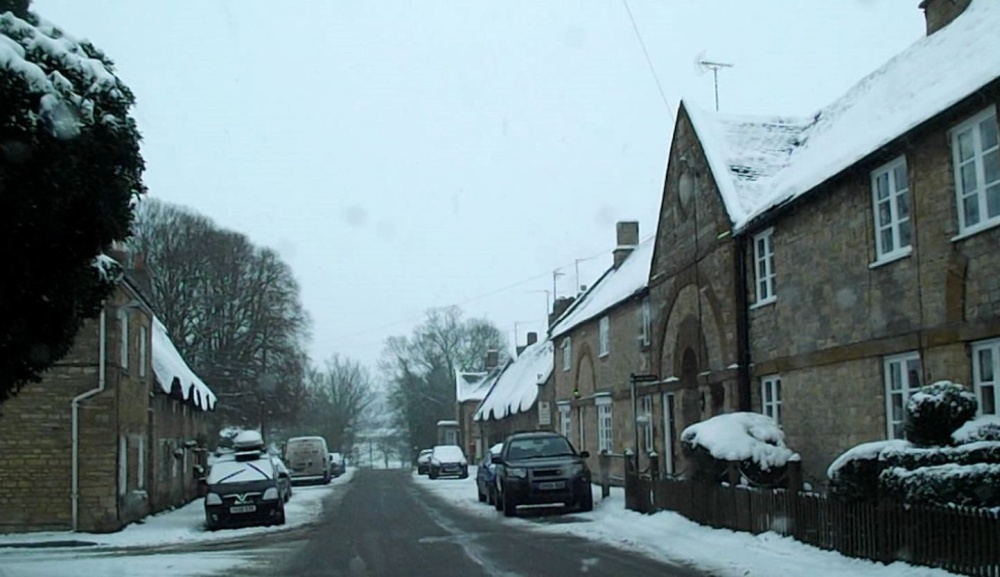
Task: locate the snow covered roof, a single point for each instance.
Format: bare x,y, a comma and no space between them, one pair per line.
615,286
761,163
741,437
516,388
472,386
169,366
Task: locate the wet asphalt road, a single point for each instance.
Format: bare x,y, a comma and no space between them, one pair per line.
383,525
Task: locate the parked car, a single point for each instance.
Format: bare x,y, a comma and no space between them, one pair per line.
424,461
284,478
448,460
485,485
541,468
308,459
244,490
337,465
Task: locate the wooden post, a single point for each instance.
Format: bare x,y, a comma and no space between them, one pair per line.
604,467
795,476
733,471
654,479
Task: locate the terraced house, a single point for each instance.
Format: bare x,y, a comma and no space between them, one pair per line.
113,432
819,269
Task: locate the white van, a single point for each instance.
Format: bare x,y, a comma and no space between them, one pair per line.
308,460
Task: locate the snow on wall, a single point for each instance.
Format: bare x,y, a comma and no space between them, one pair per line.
516,388
741,437
169,365
614,287
761,163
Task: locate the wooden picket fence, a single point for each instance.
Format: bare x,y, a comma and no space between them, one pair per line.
959,539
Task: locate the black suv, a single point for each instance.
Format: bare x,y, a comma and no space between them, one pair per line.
541,468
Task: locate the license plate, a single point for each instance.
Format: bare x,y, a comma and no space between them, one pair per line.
552,485
243,509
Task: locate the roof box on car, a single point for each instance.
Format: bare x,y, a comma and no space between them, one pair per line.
248,441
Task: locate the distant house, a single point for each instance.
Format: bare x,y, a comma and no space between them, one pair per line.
520,398
819,269
112,433
470,390
601,339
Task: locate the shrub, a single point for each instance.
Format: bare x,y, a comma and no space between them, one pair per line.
936,411
975,485
855,474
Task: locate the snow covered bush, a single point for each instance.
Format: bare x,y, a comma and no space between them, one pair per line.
855,474
753,441
984,428
976,485
936,411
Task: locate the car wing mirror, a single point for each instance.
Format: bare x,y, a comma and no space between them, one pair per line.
498,460
584,454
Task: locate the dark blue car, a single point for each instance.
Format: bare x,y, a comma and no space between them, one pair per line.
485,484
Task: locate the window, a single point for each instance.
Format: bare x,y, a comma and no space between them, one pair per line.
140,461
604,336
567,354
646,424
902,379
763,256
565,420
976,158
123,328
122,465
605,440
770,396
986,375
891,205
142,351
644,323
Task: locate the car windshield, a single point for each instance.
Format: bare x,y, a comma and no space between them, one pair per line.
241,471
448,453
538,447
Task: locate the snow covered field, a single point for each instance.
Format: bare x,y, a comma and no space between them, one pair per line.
672,538
183,526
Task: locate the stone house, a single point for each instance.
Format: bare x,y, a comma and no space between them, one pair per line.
520,398
819,269
600,340
470,389
77,449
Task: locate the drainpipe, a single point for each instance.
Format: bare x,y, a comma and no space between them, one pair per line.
101,382
742,323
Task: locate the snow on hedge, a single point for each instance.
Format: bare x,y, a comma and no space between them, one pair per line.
169,365
742,437
42,56
984,428
974,485
865,452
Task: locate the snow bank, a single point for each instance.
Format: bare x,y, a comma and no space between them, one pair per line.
169,366
865,452
515,390
984,428
742,437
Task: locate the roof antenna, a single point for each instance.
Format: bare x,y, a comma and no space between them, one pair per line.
705,64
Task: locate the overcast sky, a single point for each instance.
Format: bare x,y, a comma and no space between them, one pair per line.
407,155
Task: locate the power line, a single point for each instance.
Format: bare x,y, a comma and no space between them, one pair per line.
649,61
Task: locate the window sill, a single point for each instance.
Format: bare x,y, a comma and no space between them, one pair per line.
892,257
973,231
764,303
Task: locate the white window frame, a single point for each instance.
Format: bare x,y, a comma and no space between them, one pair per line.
605,425
140,462
123,328
903,364
897,196
565,419
142,351
604,336
986,374
770,396
646,430
979,168
567,354
764,279
645,323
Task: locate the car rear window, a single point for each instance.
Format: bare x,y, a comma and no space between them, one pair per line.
448,453
535,447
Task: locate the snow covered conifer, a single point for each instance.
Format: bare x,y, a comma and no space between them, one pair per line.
936,411
70,170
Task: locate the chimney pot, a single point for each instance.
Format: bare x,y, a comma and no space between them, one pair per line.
532,338
559,307
492,359
940,13
628,239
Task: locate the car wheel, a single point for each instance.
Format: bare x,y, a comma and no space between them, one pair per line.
490,498
587,502
497,500
509,505
433,474
479,494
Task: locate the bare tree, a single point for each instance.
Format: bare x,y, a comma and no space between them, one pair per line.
339,401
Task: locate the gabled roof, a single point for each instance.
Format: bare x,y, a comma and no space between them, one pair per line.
615,286
169,368
761,163
472,386
516,388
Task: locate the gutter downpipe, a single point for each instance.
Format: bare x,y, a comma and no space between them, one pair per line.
101,382
742,323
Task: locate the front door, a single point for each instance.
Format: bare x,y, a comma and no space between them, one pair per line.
669,433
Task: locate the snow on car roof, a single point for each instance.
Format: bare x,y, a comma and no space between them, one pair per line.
169,366
516,388
760,163
451,453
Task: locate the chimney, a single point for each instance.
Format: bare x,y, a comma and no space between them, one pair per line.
940,13
559,307
140,275
492,359
532,338
628,238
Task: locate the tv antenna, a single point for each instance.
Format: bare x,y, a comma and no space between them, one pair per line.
704,64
